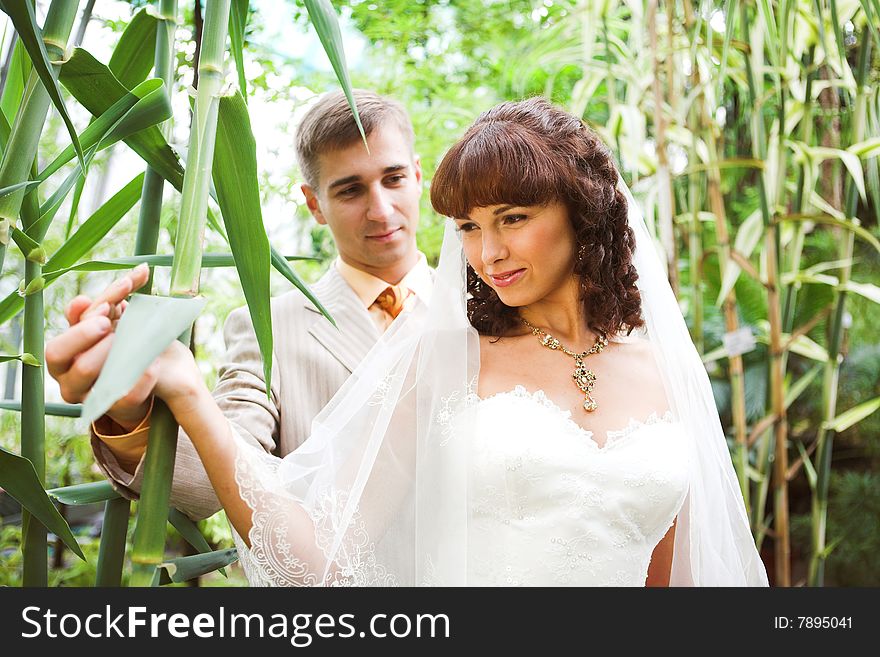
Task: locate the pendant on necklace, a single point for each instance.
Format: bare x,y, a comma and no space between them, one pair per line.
585,380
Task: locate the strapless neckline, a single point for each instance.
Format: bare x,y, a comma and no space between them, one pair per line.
613,437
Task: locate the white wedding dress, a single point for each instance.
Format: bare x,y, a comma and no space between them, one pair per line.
550,506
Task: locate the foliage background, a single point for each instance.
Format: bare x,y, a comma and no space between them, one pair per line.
448,60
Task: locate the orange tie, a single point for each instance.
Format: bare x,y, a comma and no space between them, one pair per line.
391,299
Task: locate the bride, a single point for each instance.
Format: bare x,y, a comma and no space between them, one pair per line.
542,419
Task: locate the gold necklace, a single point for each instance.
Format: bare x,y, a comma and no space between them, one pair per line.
583,377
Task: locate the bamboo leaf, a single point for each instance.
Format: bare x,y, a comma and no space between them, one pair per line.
280,264
235,178
96,88
96,227
19,478
30,249
89,233
16,77
850,161
853,416
326,24
144,106
747,238
190,532
79,494
867,290
147,327
866,149
801,384
22,14
49,209
132,58
238,15
808,465
806,347
842,223
183,569
209,260
27,184
27,359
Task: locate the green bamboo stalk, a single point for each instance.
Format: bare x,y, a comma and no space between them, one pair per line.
696,242
666,204
196,184
18,159
149,537
825,435
782,547
798,203
33,430
154,184
111,554
21,148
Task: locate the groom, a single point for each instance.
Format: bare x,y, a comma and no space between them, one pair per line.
370,202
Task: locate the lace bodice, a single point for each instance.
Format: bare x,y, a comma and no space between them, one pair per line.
550,507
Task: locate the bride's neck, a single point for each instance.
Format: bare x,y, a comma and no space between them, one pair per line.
562,315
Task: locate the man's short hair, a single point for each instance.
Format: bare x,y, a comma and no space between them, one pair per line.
329,125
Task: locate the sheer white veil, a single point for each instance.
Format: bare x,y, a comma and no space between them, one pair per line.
378,494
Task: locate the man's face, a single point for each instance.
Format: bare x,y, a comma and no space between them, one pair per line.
370,201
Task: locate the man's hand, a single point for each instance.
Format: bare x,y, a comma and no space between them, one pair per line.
75,358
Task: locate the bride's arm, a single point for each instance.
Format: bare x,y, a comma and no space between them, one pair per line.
180,385
660,567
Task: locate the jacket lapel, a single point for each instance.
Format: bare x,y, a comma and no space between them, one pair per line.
355,333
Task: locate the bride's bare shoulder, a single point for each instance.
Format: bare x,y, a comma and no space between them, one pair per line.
636,364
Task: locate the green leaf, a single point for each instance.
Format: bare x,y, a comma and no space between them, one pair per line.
16,77
96,88
280,264
49,209
834,221
801,384
235,179
747,237
808,465
89,233
29,248
19,479
132,59
850,160
190,532
22,14
183,569
326,25
866,149
867,290
209,260
79,494
238,15
27,184
144,106
147,327
27,359
853,416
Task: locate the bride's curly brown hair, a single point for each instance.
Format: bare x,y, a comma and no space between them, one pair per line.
531,153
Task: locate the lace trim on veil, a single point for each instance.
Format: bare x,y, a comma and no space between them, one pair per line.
272,559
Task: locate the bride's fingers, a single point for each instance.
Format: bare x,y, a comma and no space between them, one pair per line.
122,287
74,310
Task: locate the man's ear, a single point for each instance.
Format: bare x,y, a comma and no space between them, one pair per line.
417,166
313,204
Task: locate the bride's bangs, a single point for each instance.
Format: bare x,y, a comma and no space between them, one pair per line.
495,163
